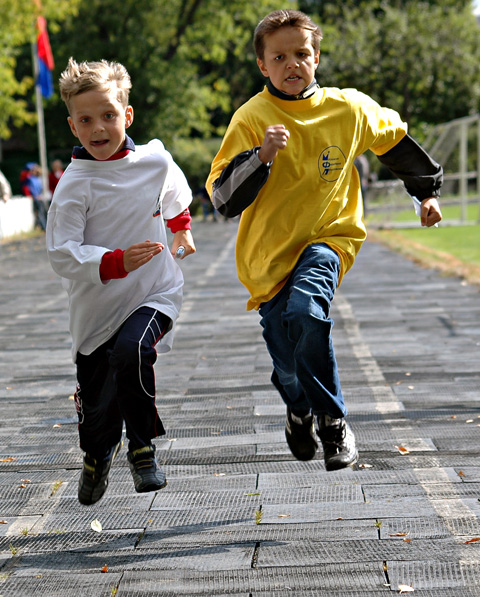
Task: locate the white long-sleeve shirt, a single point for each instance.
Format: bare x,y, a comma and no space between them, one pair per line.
102,206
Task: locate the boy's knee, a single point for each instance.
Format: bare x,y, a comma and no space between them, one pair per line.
306,322
129,353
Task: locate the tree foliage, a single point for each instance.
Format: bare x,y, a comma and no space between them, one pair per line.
17,32
420,58
183,57
328,9
192,62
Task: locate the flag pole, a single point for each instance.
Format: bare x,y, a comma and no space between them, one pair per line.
42,142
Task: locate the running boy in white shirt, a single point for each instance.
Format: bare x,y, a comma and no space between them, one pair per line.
106,238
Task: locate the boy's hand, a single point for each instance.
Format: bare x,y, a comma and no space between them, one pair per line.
276,138
431,213
183,238
140,254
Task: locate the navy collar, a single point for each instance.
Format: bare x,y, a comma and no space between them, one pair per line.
304,94
81,153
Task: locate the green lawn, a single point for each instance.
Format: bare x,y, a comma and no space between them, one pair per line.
449,212
462,242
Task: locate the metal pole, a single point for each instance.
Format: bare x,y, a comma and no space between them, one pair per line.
42,143
478,167
463,170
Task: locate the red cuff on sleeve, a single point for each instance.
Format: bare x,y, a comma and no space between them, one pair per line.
111,267
180,222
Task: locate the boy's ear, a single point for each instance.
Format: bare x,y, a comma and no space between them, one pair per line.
128,116
317,58
72,126
262,67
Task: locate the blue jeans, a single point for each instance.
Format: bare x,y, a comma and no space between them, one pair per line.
297,331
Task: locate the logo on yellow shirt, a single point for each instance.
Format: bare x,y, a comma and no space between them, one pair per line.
331,163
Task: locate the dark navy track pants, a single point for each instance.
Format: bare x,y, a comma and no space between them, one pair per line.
116,385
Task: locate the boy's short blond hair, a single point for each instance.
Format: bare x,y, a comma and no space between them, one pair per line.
80,77
285,18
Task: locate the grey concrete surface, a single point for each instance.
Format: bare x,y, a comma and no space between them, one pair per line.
240,516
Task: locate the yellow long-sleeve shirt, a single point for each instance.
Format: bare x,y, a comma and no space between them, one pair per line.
312,194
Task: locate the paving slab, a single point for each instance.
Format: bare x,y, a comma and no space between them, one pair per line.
240,516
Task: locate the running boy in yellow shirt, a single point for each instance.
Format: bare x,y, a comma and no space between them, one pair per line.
287,165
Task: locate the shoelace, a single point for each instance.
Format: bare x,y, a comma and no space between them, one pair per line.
144,463
144,458
337,440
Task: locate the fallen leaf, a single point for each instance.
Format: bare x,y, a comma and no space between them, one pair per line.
71,397
402,450
453,417
96,526
3,522
474,540
22,486
411,387
105,568
365,466
461,474
469,421
219,474
26,481
8,459
284,516
398,534
56,426
407,540
405,589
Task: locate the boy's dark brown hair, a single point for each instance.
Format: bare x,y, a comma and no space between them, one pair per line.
285,18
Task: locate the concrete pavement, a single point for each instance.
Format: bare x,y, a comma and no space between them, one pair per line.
240,516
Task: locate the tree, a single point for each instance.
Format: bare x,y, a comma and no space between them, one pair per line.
17,28
420,58
192,62
332,9
183,56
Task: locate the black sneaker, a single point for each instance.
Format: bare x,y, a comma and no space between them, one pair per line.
93,480
338,441
146,473
300,434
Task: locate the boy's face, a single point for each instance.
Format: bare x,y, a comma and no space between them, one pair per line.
289,59
99,121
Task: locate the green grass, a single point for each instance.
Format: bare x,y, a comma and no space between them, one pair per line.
449,212
453,249
463,242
